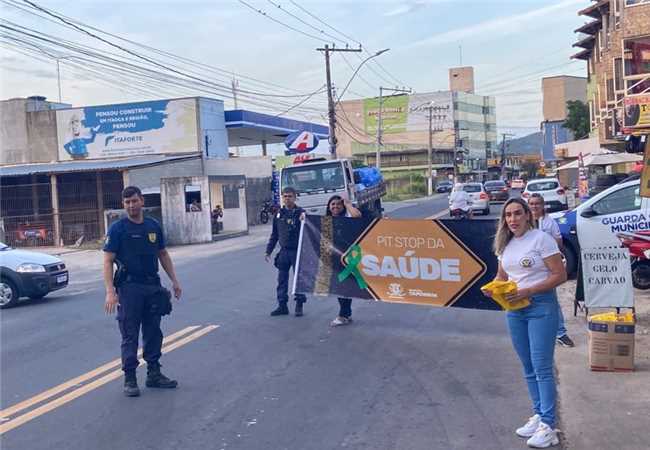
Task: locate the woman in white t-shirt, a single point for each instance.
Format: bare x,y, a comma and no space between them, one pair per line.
532,259
339,207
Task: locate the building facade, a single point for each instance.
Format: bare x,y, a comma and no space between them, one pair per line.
615,42
62,169
557,91
457,123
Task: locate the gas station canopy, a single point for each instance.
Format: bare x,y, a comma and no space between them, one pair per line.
252,128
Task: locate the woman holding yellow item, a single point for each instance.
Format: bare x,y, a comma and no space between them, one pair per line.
531,258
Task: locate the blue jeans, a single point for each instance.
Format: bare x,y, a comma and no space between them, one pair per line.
533,331
561,327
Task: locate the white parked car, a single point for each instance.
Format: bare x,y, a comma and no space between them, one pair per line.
549,188
480,198
28,274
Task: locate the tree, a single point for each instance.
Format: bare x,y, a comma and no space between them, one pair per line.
577,119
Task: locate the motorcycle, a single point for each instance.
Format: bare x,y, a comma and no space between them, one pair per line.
639,246
460,214
268,210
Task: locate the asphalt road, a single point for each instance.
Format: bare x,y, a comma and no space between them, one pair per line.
401,377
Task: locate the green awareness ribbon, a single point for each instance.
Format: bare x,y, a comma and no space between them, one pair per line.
352,260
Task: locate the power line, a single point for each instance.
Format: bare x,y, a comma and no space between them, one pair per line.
519,78
210,68
145,58
325,23
149,72
277,5
351,39
259,11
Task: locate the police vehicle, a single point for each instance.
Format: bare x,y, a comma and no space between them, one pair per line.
595,222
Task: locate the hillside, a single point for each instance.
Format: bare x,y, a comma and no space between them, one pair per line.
527,145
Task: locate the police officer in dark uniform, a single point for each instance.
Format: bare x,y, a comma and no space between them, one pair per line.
136,243
286,230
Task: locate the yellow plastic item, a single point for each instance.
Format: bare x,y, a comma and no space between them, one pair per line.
613,317
498,289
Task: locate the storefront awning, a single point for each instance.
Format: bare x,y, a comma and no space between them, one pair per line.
252,128
94,165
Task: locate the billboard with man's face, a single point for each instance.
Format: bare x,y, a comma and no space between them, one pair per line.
129,129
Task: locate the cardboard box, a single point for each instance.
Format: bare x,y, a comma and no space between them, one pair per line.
611,346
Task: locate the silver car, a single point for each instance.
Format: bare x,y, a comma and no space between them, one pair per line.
480,198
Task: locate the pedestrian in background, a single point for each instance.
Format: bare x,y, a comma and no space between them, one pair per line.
338,207
532,259
549,226
136,243
286,231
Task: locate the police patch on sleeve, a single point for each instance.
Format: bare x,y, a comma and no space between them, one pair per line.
153,237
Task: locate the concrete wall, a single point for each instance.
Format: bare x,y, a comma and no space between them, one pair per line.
212,128
461,79
258,190
257,171
254,167
179,225
149,177
234,219
26,137
13,132
559,90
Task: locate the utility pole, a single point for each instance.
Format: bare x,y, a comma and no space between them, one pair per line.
380,120
58,77
331,106
503,154
235,85
431,108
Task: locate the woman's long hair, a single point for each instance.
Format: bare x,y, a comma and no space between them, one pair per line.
504,235
332,198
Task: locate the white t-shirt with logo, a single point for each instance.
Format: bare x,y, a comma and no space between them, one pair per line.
523,258
550,226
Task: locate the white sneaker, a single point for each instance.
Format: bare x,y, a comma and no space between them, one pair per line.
544,437
531,426
339,320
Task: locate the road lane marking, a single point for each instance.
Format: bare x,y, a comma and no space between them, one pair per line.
22,419
81,378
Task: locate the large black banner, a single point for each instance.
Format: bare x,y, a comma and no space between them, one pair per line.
437,263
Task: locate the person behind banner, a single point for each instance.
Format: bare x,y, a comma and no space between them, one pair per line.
339,207
136,244
286,231
550,226
532,259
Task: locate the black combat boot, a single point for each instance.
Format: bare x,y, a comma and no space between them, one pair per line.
281,310
155,379
131,388
298,309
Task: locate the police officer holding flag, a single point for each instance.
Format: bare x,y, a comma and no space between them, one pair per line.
286,231
136,244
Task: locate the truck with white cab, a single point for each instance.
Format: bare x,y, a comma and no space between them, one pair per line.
316,180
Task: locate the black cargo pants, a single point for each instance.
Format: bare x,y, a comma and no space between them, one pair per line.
134,311
284,261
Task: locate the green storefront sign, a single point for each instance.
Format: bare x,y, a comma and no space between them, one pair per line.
394,114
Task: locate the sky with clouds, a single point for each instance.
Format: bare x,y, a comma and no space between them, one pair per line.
510,43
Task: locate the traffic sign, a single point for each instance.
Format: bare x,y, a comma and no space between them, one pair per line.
411,261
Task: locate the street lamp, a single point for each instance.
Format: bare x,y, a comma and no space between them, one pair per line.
359,68
58,71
